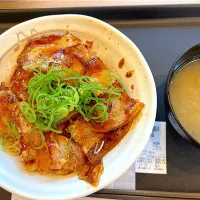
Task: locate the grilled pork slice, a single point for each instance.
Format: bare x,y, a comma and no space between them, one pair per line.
40,160
93,66
76,160
65,51
86,137
7,106
45,49
63,41
121,112
96,145
35,160
20,81
58,156
111,139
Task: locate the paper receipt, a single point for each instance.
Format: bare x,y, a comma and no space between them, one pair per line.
153,157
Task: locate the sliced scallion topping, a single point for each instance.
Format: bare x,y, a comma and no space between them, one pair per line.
13,128
5,139
57,92
98,112
27,111
12,135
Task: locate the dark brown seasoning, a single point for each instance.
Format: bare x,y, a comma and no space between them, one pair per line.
121,63
19,81
89,44
109,107
4,87
63,127
30,162
132,86
129,73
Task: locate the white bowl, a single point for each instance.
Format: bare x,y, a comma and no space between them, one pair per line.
110,45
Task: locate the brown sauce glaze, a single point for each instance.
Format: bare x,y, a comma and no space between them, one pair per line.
121,63
129,73
19,81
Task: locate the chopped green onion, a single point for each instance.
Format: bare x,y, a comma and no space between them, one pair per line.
98,112
12,127
5,139
27,111
57,92
61,113
15,131
106,76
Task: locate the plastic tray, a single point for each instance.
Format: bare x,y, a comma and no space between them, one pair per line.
161,33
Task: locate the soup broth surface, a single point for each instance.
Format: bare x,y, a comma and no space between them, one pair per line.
185,97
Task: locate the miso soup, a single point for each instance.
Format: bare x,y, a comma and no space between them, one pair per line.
185,97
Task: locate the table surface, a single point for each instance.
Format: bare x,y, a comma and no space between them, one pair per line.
161,41
13,4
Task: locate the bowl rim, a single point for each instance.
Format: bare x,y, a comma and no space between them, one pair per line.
173,70
151,119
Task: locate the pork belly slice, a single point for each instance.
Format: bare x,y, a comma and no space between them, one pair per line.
96,145
44,48
54,157
40,160
121,112
111,140
7,105
92,64
34,56
19,82
63,41
86,137
21,77
64,51
45,160
35,160
77,161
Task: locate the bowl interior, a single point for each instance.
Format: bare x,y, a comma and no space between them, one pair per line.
111,46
